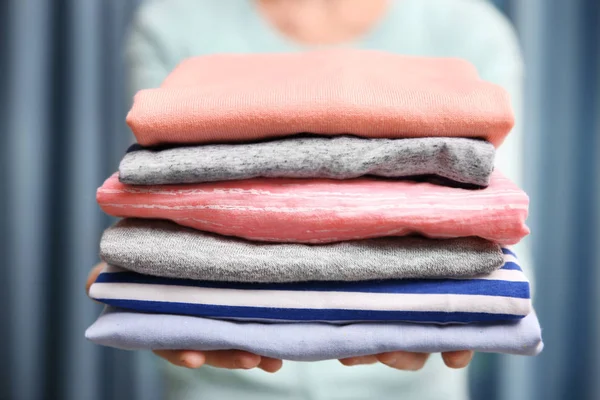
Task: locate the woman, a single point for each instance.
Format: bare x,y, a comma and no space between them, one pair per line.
166,31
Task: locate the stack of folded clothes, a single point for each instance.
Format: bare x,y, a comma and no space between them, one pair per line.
316,206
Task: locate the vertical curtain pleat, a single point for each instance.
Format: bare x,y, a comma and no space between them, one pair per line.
5,312
27,188
84,126
595,274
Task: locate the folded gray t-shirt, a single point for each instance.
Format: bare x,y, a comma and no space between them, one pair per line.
462,161
309,341
163,248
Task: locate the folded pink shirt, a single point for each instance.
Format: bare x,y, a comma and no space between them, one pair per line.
244,97
321,210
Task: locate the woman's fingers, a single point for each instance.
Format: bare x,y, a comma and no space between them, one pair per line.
236,359
363,360
232,359
182,358
457,359
403,360
270,364
229,359
93,275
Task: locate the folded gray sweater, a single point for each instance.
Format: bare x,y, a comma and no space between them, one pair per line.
163,248
459,160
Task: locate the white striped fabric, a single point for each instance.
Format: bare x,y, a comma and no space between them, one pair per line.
501,295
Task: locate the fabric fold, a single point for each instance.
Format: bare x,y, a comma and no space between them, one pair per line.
499,296
163,248
309,341
325,211
244,97
462,162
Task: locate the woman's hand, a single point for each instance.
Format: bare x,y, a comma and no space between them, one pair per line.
230,359
237,359
408,361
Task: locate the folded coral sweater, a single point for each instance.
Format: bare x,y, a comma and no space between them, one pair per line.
241,97
321,211
462,162
309,341
499,296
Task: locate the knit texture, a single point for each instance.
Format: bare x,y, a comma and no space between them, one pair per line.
463,161
321,211
163,248
241,97
499,296
309,341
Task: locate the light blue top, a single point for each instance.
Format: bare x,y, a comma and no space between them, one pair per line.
166,31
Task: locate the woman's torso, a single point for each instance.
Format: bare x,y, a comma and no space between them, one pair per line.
167,31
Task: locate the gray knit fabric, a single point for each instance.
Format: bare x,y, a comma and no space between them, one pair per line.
163,248
461,160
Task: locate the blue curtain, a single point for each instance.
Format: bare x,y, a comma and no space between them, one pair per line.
560,42
62,108
62,125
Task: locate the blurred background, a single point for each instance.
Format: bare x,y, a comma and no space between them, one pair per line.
62,131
